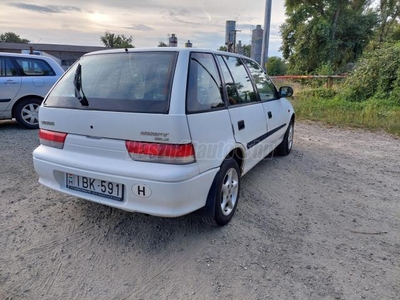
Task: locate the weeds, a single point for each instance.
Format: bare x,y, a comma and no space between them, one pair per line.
373,114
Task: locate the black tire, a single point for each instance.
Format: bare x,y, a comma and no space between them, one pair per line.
227,183
286,145
27,112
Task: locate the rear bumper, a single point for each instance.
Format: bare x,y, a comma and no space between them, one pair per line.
183,192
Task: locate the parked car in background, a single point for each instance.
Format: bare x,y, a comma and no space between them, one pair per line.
24,82
165,131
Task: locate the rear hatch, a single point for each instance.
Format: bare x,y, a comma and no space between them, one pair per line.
121,96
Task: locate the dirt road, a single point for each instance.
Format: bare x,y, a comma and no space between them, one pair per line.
321,223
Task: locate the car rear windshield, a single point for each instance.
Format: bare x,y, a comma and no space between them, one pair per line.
126,82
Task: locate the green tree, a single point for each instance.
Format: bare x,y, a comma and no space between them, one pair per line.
389,12
11,37
162,44
276,66
223,48
321,32
112,40
247,50
394,34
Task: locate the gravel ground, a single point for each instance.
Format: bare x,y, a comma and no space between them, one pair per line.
321,223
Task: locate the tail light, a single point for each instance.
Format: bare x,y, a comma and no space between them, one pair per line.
52,138
161,153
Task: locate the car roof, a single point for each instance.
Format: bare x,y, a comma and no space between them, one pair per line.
22,55
162,49
10,54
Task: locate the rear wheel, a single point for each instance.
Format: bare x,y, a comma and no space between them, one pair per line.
27,112
227,194
285,147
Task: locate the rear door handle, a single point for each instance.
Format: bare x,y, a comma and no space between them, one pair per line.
241,124
269,115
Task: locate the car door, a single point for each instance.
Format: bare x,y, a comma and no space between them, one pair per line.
207,114
37,75
10,83
275,109
246,111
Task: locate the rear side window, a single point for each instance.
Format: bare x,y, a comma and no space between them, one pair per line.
266,88
204,84
238,83
126,82
34,67
6,68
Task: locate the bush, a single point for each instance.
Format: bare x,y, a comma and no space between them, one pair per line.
395,93
320,93
376,76
373,114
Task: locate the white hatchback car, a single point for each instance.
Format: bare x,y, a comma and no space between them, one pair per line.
24,82
163,131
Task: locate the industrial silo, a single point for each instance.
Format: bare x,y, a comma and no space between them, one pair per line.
173,41
239,48
256,44
188,44
230,35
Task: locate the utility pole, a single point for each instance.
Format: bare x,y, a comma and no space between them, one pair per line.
267,26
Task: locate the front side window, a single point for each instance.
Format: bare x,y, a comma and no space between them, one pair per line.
204,84
265,87
127,82
6,68
34,67
237,81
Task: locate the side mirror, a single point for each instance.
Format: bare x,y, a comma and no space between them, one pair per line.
285,91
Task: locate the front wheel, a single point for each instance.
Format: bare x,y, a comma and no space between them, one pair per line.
27,112
227,193
286,145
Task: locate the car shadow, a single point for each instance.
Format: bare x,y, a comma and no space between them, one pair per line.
9,124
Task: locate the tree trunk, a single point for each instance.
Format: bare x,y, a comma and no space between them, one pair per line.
333,31
334,24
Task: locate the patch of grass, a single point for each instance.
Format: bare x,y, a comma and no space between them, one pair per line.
373,114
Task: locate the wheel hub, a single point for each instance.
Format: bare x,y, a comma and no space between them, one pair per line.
30,113
229,191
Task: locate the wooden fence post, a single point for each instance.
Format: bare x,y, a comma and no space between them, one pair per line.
329,82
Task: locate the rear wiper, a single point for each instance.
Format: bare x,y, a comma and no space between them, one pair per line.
78,86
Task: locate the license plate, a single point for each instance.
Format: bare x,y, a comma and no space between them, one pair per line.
101,188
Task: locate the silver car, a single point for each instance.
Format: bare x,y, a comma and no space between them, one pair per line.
24,82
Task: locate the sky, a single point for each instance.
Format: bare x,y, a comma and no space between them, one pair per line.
83,22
